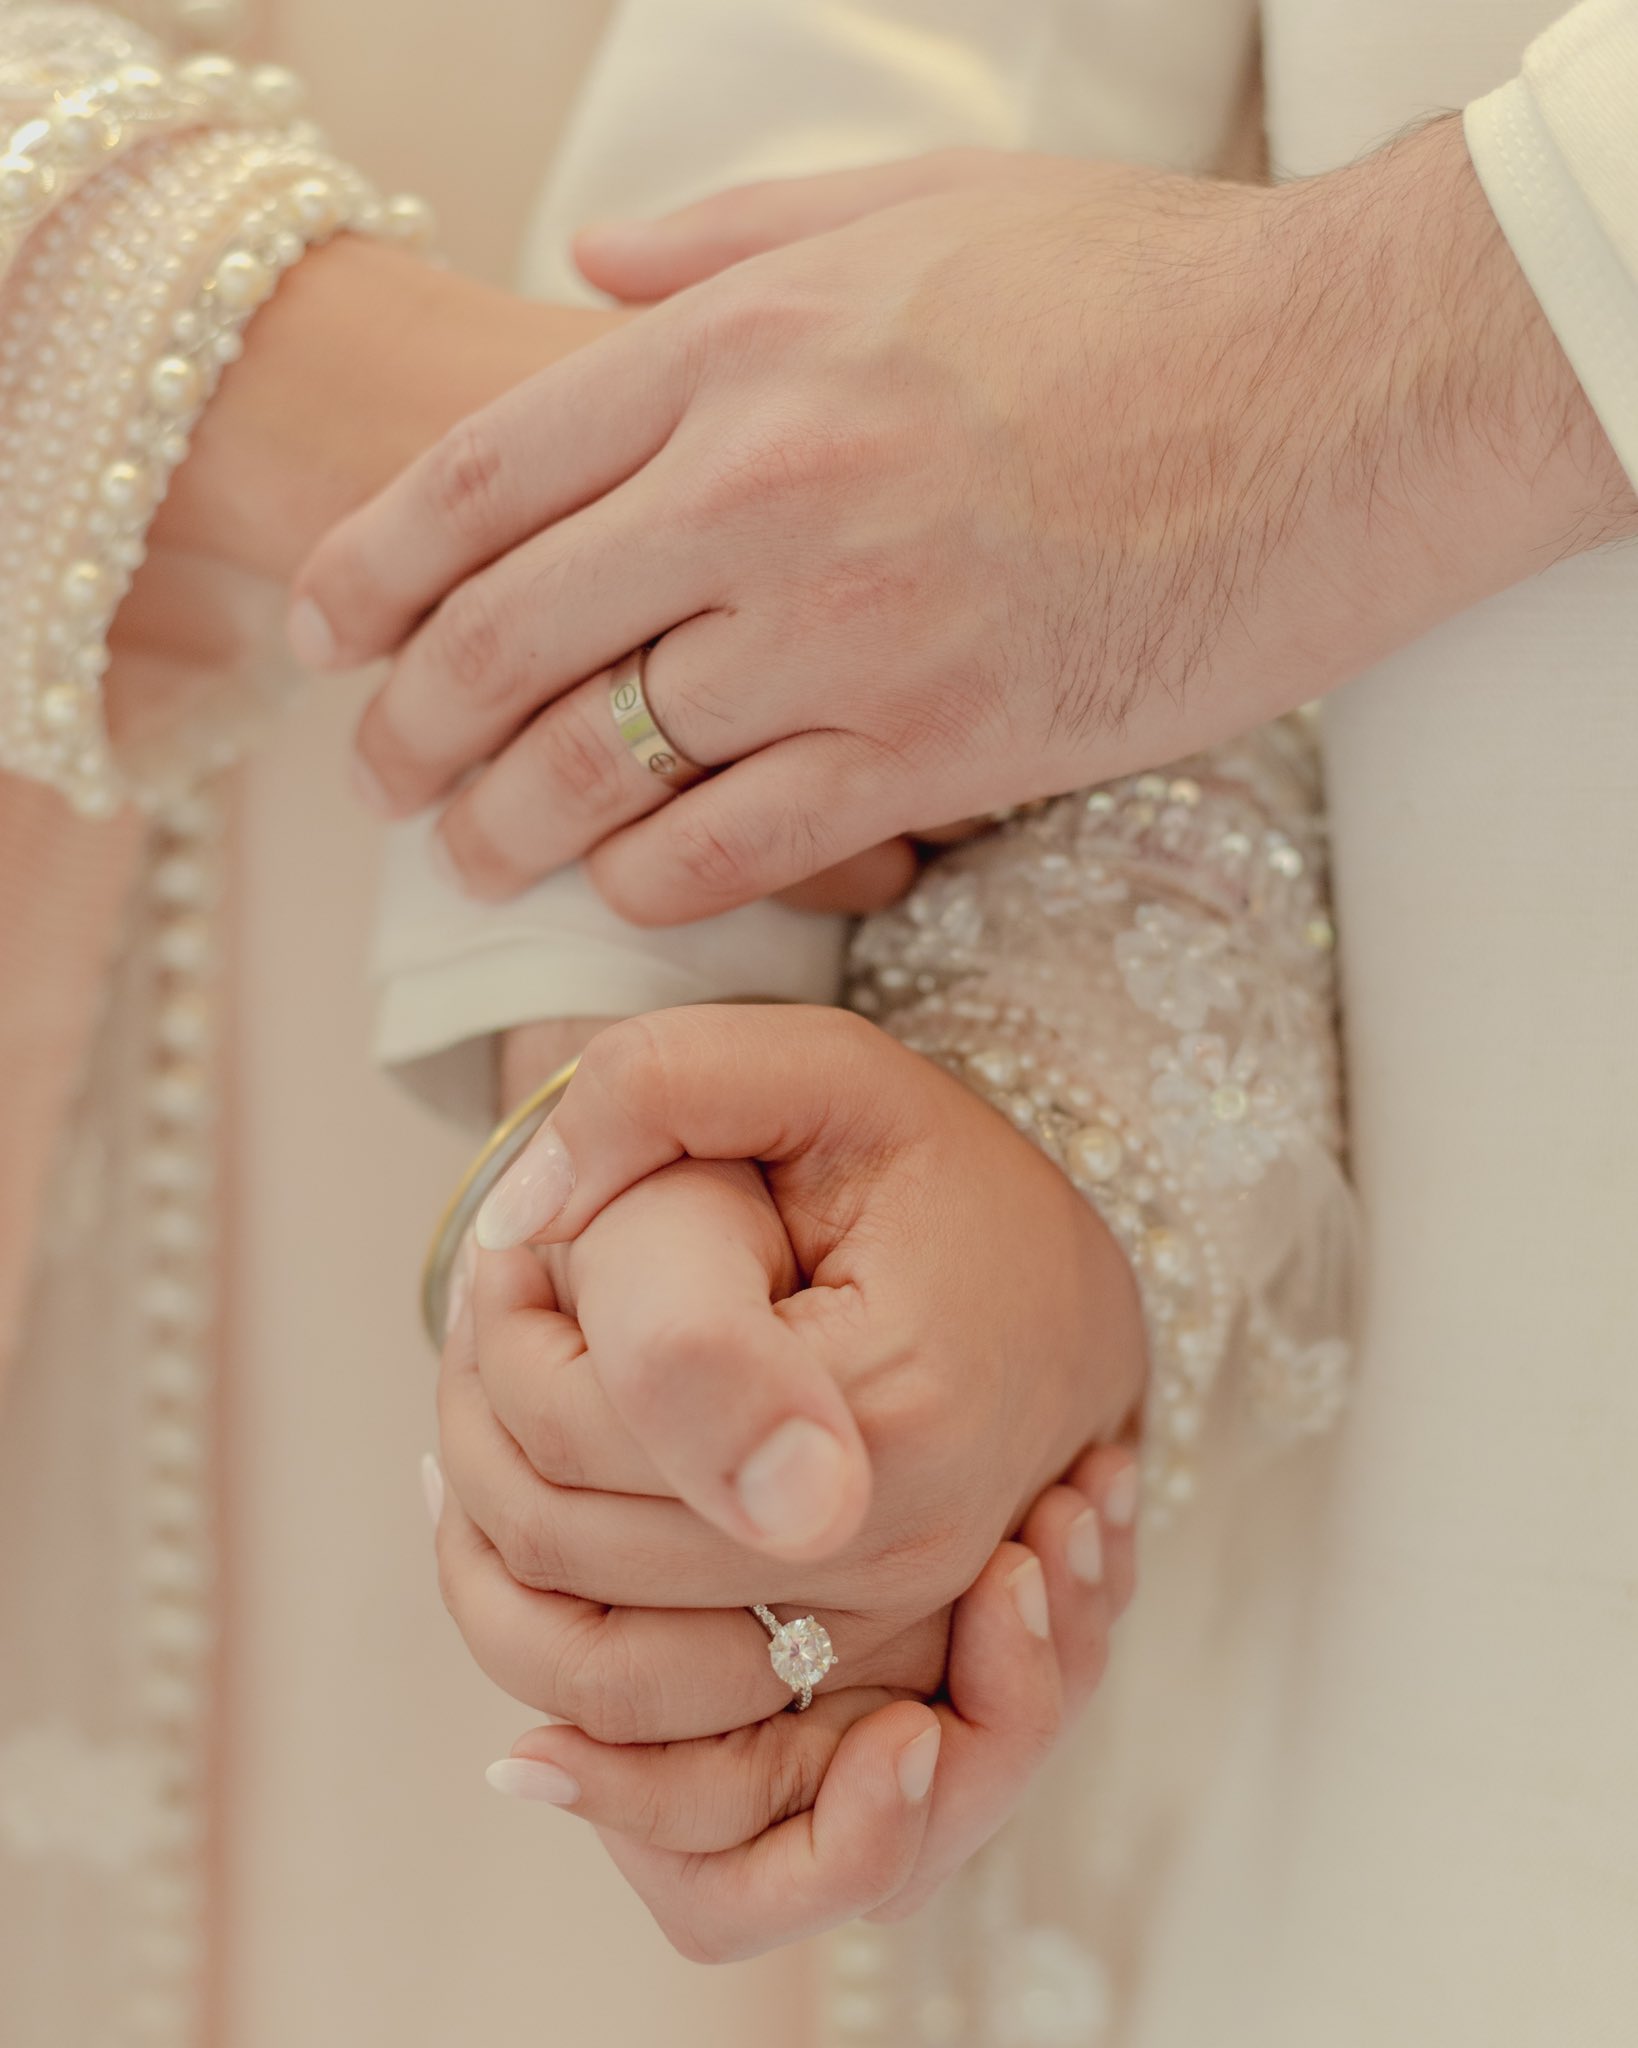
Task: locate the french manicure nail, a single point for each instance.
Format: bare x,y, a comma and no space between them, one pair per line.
308,631
1084,1549
1120,1503
1029,1595
917,1762
432,1488
521,1777
529,1196
791,1485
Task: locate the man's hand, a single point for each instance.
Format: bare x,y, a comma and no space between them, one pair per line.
808,1286
988,493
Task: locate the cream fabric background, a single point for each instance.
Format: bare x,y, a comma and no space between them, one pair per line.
378,1892
1420,1831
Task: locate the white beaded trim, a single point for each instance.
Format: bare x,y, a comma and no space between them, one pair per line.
169,1921
119,319
1197,1118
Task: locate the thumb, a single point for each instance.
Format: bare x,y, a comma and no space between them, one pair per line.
639,261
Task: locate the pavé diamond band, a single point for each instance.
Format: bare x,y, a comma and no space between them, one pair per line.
799,1652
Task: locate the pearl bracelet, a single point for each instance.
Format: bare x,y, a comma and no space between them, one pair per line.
127,300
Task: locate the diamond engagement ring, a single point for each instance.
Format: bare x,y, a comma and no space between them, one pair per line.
800,1653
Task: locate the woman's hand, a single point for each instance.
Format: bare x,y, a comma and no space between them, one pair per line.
966,1328
741,1842
984,495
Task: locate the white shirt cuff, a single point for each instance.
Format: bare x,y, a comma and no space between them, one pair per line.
1556,150
450,973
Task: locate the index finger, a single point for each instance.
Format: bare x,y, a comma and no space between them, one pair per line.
555,443
774,1083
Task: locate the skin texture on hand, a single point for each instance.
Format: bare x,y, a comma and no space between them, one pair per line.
781,1215
740,1841
985,494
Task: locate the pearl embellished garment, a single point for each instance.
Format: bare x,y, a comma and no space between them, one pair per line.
1301,1759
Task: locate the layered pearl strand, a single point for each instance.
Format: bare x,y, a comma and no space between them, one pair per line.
147,210
169,1916
129,298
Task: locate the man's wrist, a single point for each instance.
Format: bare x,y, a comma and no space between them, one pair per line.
1469,425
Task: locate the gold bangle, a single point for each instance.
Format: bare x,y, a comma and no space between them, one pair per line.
502,1146
500,1149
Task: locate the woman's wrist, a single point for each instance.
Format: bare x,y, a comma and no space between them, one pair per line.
361,360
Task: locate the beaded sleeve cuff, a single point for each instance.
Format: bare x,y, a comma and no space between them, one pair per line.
1139,977
147,209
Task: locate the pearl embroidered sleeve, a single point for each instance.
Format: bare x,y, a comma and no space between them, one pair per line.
147,209
1140,977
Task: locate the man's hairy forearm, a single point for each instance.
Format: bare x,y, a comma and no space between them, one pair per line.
1444,414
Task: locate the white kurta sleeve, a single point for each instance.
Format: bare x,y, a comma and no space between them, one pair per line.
685,97
1556,150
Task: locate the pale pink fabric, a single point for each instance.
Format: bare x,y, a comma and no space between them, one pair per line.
62,881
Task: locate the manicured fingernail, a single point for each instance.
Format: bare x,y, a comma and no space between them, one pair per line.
792,1484
432,1488
1084,1549
529,1196
521,1777
1120,1502
1029,1595
368,787
462,1274
917,1762
308,631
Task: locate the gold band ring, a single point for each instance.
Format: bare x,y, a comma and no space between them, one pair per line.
640,729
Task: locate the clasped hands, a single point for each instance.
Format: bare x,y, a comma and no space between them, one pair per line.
788,1315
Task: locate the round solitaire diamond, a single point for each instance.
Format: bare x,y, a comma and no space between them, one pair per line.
800,1653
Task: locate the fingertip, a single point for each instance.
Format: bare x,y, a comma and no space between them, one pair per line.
533,1779
918,1760
1026,1586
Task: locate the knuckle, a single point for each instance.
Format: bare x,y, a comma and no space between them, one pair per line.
464,480
788,1773
714,858
530,1547
771,461
759,316
483,864
579,759
625,1064
468,645
550,1447
603,1687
